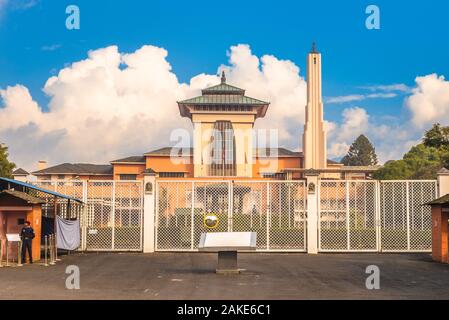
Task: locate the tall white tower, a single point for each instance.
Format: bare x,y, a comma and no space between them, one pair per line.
314,139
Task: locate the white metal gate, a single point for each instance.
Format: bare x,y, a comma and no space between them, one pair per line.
112,217
276,210
369,215
347,216
405,223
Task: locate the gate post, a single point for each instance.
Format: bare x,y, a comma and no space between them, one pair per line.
313,197
149,212
443,182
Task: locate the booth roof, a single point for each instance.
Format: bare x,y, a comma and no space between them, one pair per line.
6,183
440,201
24,196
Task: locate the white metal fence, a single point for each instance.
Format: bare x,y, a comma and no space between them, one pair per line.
353,216
385,216
275,210
111,219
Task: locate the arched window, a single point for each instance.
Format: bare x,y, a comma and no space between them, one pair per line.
223,159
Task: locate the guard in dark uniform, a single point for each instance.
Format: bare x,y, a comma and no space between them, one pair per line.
27,235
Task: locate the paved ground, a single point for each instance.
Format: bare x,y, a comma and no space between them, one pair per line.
268,276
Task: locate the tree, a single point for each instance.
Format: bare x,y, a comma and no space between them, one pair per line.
437,137
361,153
421,162
6,167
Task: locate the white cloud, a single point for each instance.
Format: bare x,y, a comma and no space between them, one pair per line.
345,99
274,80
111,105
359,97
51,47
399,87
429,102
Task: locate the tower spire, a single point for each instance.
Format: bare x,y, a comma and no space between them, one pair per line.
314,138
314,50
223,77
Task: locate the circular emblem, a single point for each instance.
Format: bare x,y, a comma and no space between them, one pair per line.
211,221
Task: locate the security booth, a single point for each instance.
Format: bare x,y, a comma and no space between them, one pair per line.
16,207
21,202
440,220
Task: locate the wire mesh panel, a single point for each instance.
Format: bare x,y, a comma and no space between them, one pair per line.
420,221
100,215
211,198
287,216
362,215
333,227
347,216
114,215
405,222
240,206
174,216
65,209
249,210
128,208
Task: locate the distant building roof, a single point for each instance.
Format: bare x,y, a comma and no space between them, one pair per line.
77,168
279,152
23,196
167,151
20,172
349,169
133,159
261,152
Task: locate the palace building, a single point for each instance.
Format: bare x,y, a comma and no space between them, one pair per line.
224,146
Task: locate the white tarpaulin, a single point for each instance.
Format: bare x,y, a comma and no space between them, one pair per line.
67,234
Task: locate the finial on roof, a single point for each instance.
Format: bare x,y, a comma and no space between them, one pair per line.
223,77
314,50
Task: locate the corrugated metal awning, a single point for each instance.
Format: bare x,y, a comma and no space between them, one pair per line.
6,183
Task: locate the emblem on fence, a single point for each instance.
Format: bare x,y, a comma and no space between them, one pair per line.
311,188
211,221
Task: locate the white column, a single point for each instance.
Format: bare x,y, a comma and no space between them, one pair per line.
312,212
443,182
149,213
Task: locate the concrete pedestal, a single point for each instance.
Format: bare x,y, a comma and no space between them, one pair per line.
227,263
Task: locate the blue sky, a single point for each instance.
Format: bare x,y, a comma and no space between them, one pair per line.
412,41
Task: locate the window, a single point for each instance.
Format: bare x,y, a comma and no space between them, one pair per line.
171,174
61,177
277,175
223,158
128,177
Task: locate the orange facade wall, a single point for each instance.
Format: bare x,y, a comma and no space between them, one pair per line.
274,165
128,169
166,164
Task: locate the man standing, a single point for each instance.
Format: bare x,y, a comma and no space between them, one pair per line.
27,235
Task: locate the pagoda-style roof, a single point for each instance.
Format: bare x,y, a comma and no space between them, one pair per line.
223,88
223,98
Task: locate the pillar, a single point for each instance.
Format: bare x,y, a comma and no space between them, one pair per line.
312,211
440,247
443,182
149,211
